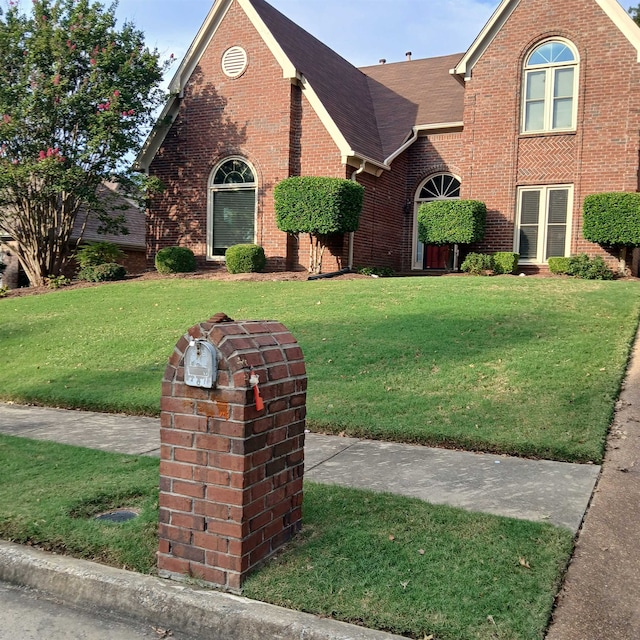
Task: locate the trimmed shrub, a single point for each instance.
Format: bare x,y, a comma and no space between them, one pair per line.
382,272
106,272
319,206
98,253
477,264
245,258
612,219
175,260
451,221
559,266
505,262
584,267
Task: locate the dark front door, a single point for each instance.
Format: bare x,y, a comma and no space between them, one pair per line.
437,257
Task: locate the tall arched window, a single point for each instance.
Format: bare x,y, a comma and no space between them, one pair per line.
550,88
232,206
441,186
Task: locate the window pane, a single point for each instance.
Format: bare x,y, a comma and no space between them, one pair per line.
563,87
551,52
563,114
534,116
558,201
530,207
556,236
536,85
233,219
528,242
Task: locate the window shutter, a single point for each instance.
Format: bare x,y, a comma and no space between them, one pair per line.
557,222
529,217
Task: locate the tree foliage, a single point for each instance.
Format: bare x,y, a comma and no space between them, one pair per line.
320,207
76,94
451,221
634,12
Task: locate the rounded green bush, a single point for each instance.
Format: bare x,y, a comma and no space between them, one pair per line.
175,260
98,253
106,272
477,264
559,265
245,258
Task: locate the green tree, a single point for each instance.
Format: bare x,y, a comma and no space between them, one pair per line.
322,207
76,94
634,12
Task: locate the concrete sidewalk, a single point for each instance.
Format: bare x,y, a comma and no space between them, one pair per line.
540,490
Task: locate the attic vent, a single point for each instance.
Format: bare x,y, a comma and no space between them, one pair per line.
234,62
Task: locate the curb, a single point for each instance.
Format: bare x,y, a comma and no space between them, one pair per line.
203,613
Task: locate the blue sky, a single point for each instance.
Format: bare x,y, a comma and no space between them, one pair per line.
362,31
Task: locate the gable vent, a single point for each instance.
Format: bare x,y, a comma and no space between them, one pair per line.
234,62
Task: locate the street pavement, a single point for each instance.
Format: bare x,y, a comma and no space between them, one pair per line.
30,615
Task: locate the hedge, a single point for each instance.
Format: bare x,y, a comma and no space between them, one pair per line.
318,206
451,221
175,260
612,219
245,258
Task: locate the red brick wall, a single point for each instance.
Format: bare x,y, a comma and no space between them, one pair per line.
249,116
602,155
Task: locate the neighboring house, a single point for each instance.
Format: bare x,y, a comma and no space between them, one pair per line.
543,109
132,244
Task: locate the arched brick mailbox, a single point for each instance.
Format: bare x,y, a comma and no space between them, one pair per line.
232,436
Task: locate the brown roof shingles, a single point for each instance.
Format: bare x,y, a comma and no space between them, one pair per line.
375,108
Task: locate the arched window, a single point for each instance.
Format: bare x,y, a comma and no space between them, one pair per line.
232,206
550,88
441,186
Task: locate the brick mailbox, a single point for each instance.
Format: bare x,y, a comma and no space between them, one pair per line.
232,435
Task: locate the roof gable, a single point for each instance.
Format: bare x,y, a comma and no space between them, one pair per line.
370,113
620,18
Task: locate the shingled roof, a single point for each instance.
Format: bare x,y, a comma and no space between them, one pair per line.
370,112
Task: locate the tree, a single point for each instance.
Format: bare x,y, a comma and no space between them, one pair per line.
320,207
451,222
634,12
612,220
76,93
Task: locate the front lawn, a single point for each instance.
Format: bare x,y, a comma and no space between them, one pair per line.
525,366
384,561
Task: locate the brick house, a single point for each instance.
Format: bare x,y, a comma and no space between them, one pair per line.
542,110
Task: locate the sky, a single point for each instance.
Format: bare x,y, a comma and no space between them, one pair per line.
362,31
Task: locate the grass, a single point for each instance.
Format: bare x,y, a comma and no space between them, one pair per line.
523,366
384,561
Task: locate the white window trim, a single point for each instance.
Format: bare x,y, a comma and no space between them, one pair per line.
550,70
213,188
417,265
542,221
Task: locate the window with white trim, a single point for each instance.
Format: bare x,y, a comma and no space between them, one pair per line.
543,228
550,88
232,206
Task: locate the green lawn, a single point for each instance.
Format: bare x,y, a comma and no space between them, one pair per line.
526,366
384,561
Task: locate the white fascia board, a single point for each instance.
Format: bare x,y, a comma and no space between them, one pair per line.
484,39
288,70
623,21
157,135
198,46
413,136
317,105
176,86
